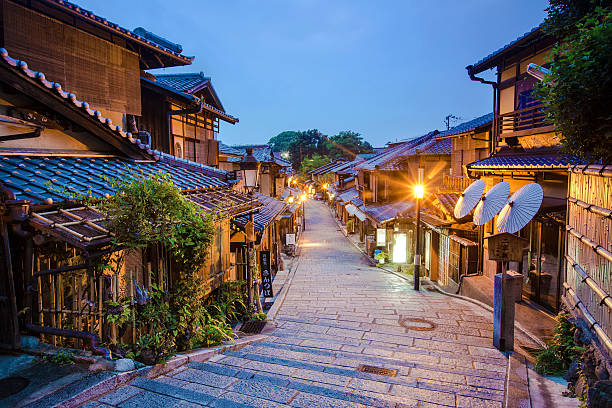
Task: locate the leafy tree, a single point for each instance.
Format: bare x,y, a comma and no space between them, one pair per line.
282,141
305,145
578,91
347,144
313,162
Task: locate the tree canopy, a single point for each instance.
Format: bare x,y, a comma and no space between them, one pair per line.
578,91
311,146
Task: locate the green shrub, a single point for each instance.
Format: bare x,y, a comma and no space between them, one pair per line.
556,358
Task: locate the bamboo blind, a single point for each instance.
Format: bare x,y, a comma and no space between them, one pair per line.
594,190
99,72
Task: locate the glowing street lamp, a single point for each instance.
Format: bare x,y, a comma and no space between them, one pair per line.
419,192
325,186
290,199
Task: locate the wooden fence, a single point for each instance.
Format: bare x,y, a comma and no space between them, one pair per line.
589,248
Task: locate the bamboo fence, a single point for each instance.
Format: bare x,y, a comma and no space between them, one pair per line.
589,246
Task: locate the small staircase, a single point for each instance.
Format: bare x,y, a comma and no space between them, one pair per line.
278,372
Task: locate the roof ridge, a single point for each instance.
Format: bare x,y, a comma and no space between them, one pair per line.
75,8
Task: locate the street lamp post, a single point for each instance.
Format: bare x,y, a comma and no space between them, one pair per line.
419,191
249,167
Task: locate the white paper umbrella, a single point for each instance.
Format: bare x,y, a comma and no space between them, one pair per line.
469,198
520,208
491,203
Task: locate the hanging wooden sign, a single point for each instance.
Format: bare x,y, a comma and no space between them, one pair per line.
266,274
506,247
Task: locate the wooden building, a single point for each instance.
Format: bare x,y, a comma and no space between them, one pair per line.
524,149
181,113
55,147
96,59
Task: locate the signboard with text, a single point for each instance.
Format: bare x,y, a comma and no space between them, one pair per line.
381,237
506,247
290,239
266,274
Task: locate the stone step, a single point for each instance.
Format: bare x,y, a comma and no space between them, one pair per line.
305,392
347,359
237,395
315,342
324,373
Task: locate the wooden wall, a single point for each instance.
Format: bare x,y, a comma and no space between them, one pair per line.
99,72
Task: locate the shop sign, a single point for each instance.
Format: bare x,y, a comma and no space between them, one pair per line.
506,247
266,274
381,237
290,239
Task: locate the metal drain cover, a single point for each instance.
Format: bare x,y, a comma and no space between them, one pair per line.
12,385
414,323
253,326
389,372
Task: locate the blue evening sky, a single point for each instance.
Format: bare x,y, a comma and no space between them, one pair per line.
386,69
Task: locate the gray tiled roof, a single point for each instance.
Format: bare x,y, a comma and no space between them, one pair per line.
522,160
386,212
272,207
467,126
487,61
225,149
401,149
191,98
263,154
51,179
187,82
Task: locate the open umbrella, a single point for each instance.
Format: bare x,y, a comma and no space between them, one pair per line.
469,198
520,208
491,203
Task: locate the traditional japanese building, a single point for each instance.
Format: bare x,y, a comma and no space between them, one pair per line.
181,113
55,148
524,149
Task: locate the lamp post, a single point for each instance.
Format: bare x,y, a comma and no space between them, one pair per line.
419,191
303,200
249,168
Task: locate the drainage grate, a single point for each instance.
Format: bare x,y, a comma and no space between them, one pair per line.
253,326
389,372
413,323
12,385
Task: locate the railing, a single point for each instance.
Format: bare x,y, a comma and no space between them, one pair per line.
455,183
522,121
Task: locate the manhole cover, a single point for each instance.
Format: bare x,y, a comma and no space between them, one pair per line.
254,326
377,370
12,385
414,323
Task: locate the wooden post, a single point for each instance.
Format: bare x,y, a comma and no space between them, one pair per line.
504,247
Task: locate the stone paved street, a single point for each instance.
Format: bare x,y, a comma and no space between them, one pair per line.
339,314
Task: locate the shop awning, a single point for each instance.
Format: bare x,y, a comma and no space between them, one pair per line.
351,209
81,227
463,241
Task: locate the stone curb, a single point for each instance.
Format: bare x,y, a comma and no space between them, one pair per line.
280,299
342,230
116,380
